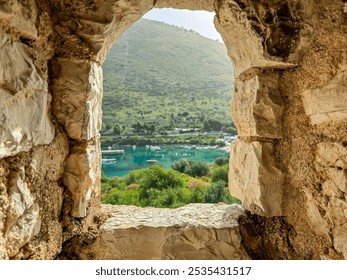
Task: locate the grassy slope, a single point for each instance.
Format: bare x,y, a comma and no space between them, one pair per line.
156,69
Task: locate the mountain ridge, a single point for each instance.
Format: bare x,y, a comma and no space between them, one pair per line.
188,72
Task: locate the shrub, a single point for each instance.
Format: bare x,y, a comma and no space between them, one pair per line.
220,173
194,183
133,177
197,196
221,161
180,165
159,198
215,193
118,197
192,168
108,184
218,192
197,169
156,177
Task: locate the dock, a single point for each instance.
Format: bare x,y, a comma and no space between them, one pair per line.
112,152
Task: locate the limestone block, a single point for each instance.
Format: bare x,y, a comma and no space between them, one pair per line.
318,224
340,239
82,175
328,103
77,94
195,231
254,177
257,107
243,44
339,178
24,101
21,16
23,217
332,157
332,154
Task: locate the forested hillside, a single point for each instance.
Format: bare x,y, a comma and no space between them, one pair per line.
158,77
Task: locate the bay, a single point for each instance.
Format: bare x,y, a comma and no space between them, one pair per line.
138,157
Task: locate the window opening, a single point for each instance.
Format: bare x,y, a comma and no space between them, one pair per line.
167,92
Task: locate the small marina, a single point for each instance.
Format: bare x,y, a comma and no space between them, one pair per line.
134,157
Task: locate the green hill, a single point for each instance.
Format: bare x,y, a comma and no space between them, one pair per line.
165,76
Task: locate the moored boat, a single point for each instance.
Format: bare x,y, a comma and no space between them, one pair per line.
107,162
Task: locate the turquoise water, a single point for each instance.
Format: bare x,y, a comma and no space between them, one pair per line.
137,158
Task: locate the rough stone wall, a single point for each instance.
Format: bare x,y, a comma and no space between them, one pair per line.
49,141
32,148
288,166
290,158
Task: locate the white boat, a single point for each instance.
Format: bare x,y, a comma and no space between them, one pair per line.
154,148
107,162
152,161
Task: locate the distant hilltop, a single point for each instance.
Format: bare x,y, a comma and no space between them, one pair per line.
190,73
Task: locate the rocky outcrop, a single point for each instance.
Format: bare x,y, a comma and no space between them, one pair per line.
23,215
82,176
195,231
254,177
77,97
327,103
288,166
257,105
23,89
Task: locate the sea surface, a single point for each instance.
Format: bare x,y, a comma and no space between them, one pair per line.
137,157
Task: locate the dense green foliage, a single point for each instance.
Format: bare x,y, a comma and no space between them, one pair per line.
158,187
191,168
217,192
159,77
221,161
141,140
220,173
153,186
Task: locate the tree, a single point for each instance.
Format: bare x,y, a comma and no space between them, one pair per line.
180,165
215,192
156,177
108,126
220,173
116,130
197,169
221,161
212,125
192,168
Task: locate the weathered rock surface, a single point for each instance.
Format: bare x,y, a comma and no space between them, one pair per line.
195,231
328,103
20,16
238,32
24,102
332,160
82,175
23,214
77,93
257,105
254,177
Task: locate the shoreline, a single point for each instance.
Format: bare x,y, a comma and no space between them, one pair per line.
226,147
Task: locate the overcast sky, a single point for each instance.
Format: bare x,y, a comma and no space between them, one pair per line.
200,21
